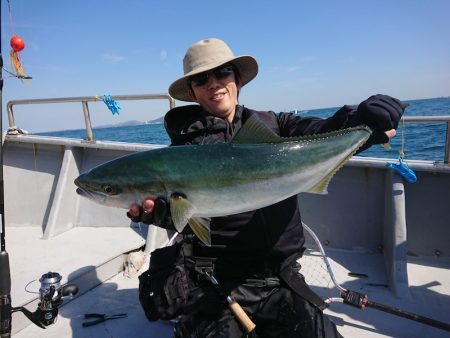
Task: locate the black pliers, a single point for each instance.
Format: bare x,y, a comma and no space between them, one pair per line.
101,318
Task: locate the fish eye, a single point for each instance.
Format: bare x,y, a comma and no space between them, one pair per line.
108,189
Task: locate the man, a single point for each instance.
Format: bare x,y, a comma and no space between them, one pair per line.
254,254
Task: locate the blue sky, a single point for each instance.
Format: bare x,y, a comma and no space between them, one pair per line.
311,54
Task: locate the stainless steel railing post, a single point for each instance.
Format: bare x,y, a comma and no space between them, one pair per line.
87,120
10,115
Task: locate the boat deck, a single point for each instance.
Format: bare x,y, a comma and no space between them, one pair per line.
94,265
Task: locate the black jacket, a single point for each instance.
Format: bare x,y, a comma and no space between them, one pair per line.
263,240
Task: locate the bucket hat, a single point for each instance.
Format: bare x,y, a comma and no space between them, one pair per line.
208,54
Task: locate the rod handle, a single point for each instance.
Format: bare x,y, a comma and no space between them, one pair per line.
242,317
5,274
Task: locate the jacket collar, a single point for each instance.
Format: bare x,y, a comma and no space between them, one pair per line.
187,122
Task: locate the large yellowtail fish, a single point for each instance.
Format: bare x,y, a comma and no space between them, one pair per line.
256,169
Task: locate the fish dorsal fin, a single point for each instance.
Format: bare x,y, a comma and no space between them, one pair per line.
254,131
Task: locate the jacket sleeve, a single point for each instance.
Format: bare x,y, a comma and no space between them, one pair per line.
294,125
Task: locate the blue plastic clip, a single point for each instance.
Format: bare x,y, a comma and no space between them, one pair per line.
403,169
112,105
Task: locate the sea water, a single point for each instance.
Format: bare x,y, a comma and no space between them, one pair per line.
422,141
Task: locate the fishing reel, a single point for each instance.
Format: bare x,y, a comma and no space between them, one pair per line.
51,295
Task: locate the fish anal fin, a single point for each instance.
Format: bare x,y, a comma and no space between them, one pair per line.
181,211
200,227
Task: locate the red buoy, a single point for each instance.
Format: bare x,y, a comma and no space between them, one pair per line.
17,43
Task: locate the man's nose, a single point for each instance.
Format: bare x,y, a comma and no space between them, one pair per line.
212,82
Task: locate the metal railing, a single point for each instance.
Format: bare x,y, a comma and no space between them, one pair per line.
84,102
90,137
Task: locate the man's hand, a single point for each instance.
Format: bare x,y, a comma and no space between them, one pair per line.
152,211
382,113
391,133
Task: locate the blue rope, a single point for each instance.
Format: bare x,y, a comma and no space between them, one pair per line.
112,105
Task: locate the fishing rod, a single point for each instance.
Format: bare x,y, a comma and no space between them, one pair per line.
5,271
51,292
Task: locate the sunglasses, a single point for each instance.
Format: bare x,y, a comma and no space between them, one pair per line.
219,73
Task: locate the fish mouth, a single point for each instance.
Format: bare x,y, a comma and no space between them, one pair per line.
91,194
83,192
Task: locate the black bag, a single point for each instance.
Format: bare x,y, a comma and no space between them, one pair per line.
164,287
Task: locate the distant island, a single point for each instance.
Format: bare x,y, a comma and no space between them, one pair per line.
133,123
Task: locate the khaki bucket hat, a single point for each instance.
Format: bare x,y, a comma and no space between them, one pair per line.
208,54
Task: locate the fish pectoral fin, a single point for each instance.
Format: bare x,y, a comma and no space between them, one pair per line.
181,211
200,227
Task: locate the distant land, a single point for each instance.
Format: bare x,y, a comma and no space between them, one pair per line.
133,123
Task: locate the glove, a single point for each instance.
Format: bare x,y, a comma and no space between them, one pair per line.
160,216
381,113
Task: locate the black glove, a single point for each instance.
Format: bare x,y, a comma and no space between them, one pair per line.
381,113
160,216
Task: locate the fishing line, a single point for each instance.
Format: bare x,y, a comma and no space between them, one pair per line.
14,75
402,151
10,16
17,76
401,167
29,283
